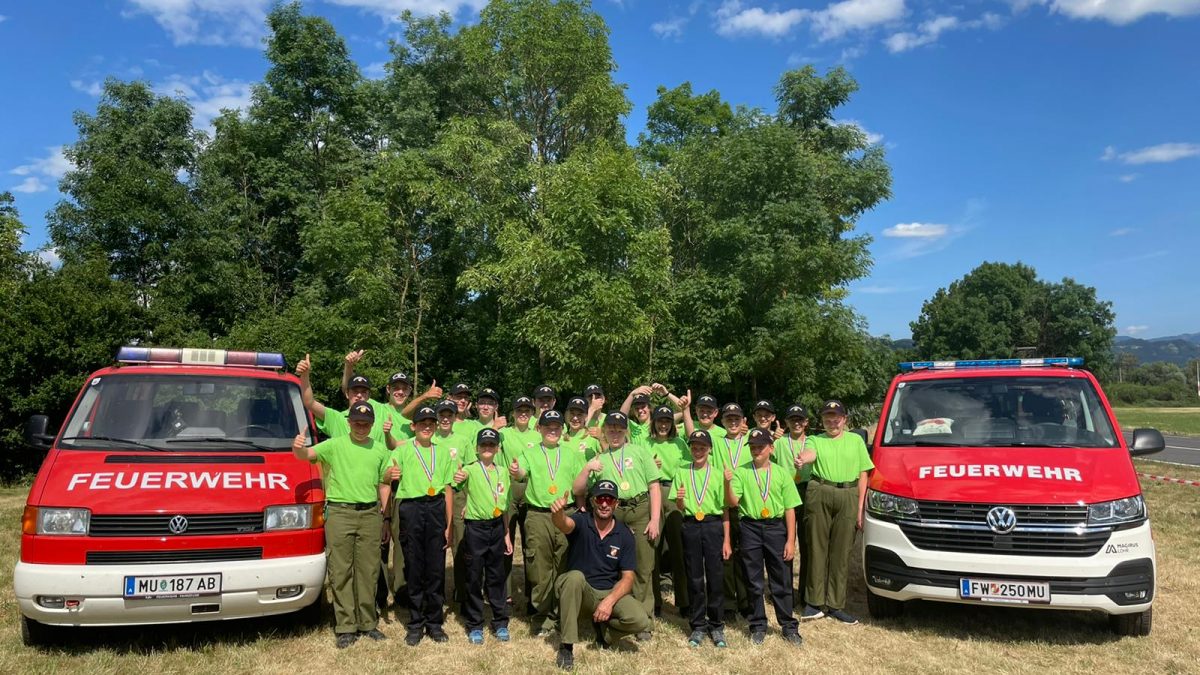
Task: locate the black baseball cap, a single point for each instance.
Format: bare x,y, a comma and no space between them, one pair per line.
663,412
550,416
577,404
489,393
446,405
604,487
760,437
487,435
362,411
593,389
707,400
700,436
424,413
833,406
796,410
359,381
732,409
641,398
618,418
460,388
522,402
764,405
544,391
399,378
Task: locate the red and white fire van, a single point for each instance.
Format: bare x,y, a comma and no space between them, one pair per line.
1007,481
171,494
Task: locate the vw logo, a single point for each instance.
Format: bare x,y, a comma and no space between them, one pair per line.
1002,520
178,524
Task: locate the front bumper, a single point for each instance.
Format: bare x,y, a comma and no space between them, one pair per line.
248,590
1118,579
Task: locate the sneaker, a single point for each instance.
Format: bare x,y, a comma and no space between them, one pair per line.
502,634
475,637
375,634
757,636
841,615
644,636
793,637
346,639
437,634
413,638
811,613
696,638
565,658
718,638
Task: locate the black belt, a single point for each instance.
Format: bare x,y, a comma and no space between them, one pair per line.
545,509
357,506
708,518
847,484
632,501
423,500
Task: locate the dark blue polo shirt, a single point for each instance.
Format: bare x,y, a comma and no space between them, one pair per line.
600,560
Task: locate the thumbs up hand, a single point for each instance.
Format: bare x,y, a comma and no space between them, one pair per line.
681,493
304,367
460,475
393,472
514,469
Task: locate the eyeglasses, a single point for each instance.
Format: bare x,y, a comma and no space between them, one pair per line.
606,500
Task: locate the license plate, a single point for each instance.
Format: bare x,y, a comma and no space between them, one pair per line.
173,586
990,590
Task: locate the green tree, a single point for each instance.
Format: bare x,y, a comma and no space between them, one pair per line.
13,260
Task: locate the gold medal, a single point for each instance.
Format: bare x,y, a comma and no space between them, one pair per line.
553,489
496,512
765,512
625,486
699,515
431,492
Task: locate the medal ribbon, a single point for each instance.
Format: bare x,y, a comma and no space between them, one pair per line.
557,461
432,459
620,469
734,458
763,489
492,486
704,488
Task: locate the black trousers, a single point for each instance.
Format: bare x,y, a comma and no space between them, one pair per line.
762,545
423,535
702,542
801,549
483,553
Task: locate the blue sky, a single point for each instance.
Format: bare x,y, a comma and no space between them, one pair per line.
1061,133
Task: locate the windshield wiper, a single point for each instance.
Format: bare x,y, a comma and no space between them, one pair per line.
1028,444
220,439
924,442
110,439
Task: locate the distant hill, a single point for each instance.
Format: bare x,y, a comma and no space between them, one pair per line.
1177,349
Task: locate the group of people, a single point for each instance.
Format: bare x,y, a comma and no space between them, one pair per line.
605,504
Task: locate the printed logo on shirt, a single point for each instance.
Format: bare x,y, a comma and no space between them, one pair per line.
614,552
454,452
628,462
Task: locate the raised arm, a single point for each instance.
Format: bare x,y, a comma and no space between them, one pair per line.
434,392
685,405
580,484
304,372
559,517
301,450
348,364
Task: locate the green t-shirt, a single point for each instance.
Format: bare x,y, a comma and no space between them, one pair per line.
584,443
672,453
598,421
540,463
841,459
352,472
422,470
732,452
487,491
514,443
336,425
468,427
638,431
748,485
631,467
460,448
692,480
716,432
401,425
785,453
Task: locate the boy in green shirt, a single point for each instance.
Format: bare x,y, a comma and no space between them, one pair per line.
707,411
700,497
637,408
355,478
515,441
486,540
426,523
631,467
464,424
730,453
766,499
488,404
790,456
577,435
455,442
547,470
835,499
668,451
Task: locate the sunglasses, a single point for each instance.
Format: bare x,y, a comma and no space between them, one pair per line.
606,500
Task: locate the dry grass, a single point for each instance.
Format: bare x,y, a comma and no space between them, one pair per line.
930,638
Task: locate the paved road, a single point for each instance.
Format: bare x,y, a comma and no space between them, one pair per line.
1180,450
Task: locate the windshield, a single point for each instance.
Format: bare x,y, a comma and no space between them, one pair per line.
999,412
185,412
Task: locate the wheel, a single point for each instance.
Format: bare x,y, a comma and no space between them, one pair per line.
36,634
883,608
1133,625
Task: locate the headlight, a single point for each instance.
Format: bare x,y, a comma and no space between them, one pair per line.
63,521
290,517
890,506
1125,510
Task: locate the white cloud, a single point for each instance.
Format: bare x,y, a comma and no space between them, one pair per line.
882,290
732,20
1110,153
1121,232
208,22
1134,330
208,94
872,137
49,255
1154,154
843,17
929,31
917,230
671,28
1121,12
93,88
389,10
30,185
1128,178
375,70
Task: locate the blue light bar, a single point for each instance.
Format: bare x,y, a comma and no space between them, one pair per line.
1062,361
201,357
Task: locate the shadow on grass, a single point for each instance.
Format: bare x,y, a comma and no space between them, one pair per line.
997,624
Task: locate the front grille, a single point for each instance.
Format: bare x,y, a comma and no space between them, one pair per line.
158,525
1041,530
178,556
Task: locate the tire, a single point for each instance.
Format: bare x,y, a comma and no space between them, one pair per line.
1132,625
36,634
880,607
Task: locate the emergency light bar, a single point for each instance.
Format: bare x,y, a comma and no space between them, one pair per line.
200,357
1068,361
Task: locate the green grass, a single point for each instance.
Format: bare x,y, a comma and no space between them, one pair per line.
929,638
1178,421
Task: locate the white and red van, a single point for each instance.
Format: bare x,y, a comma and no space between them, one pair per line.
171,494
1007,481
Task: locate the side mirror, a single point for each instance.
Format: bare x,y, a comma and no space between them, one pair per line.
1146,442
35,432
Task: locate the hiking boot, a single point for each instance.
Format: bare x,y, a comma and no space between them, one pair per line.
565,658
346,639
